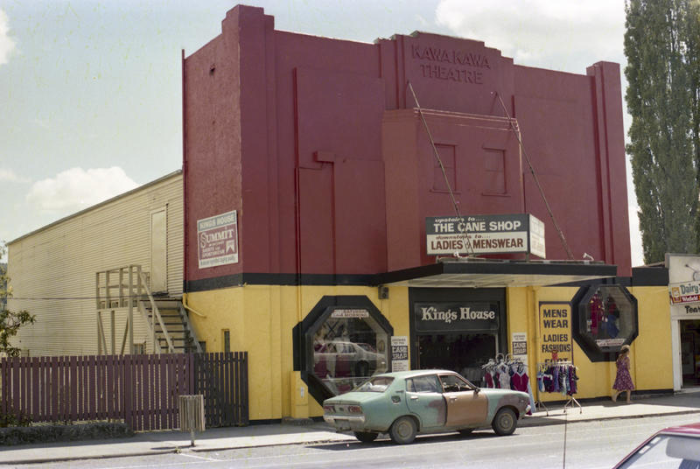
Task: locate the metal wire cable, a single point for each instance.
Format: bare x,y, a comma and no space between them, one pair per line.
455,204
537,181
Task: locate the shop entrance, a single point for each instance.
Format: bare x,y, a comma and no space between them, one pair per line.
690,352
457,329
463,353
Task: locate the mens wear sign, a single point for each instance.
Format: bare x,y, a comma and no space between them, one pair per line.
555,331
454,317
217,240
485,234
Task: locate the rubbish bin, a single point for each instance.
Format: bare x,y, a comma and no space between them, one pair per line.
192,414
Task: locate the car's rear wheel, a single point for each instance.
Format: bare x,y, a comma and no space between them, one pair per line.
504,422
366,437
403,431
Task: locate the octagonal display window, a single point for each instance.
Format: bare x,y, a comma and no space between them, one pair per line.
348,346
606,320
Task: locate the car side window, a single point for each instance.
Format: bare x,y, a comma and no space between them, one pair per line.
453,383
423,384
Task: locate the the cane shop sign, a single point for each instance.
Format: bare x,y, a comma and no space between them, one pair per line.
485,234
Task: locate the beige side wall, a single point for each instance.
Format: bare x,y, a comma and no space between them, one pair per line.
53,269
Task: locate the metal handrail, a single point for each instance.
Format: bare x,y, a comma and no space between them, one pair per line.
183,315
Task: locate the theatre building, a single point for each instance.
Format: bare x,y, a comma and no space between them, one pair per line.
419,202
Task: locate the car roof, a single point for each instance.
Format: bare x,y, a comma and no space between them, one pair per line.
692,429
412,373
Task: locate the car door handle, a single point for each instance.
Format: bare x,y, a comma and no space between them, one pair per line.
414,398
452,399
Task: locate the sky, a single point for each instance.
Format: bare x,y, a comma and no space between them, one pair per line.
90,91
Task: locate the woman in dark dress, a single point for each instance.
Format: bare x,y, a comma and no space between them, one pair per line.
623,380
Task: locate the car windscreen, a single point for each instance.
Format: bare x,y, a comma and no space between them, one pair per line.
376,384
667,451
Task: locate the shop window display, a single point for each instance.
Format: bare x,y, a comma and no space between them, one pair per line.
349,346
607,319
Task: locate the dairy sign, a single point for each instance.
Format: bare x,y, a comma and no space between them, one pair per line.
686,292
485,234
217,240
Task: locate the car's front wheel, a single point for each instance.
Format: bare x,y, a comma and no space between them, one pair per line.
504,422
366,437
403,430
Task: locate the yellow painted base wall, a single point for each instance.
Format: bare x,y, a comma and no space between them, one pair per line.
261,318
651,361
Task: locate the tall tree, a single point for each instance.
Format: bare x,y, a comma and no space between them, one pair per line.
659,98
10,321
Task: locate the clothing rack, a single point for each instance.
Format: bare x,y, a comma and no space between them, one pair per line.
572,400
503,371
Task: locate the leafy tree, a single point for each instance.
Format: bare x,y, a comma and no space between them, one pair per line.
662,74
10,321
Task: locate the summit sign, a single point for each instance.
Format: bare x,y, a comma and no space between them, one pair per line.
217,240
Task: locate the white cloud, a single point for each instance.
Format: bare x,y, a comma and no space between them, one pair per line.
75,189
7,44
7,175
564,35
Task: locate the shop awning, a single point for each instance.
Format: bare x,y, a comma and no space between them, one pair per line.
490,273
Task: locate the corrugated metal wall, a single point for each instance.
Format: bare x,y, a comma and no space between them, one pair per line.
53,269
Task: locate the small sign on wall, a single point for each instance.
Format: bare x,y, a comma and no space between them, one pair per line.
399,353
519,346
217,240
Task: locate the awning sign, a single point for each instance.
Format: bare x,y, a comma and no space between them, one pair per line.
217,240
485,234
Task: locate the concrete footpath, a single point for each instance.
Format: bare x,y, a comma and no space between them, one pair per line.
290,433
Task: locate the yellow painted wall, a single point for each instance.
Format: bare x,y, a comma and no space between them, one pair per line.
261,319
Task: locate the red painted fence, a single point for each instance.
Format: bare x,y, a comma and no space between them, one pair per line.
141,390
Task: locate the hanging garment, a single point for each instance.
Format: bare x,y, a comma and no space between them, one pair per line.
610,325
573,387
564,379
548,379
596,307
488,378
504,379
540,381
555,384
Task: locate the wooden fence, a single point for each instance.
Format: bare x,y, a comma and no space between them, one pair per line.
141,390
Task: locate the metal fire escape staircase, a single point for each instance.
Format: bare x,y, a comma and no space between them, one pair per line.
125,290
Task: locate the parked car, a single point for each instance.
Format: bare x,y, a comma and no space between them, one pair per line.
673,447
425,401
